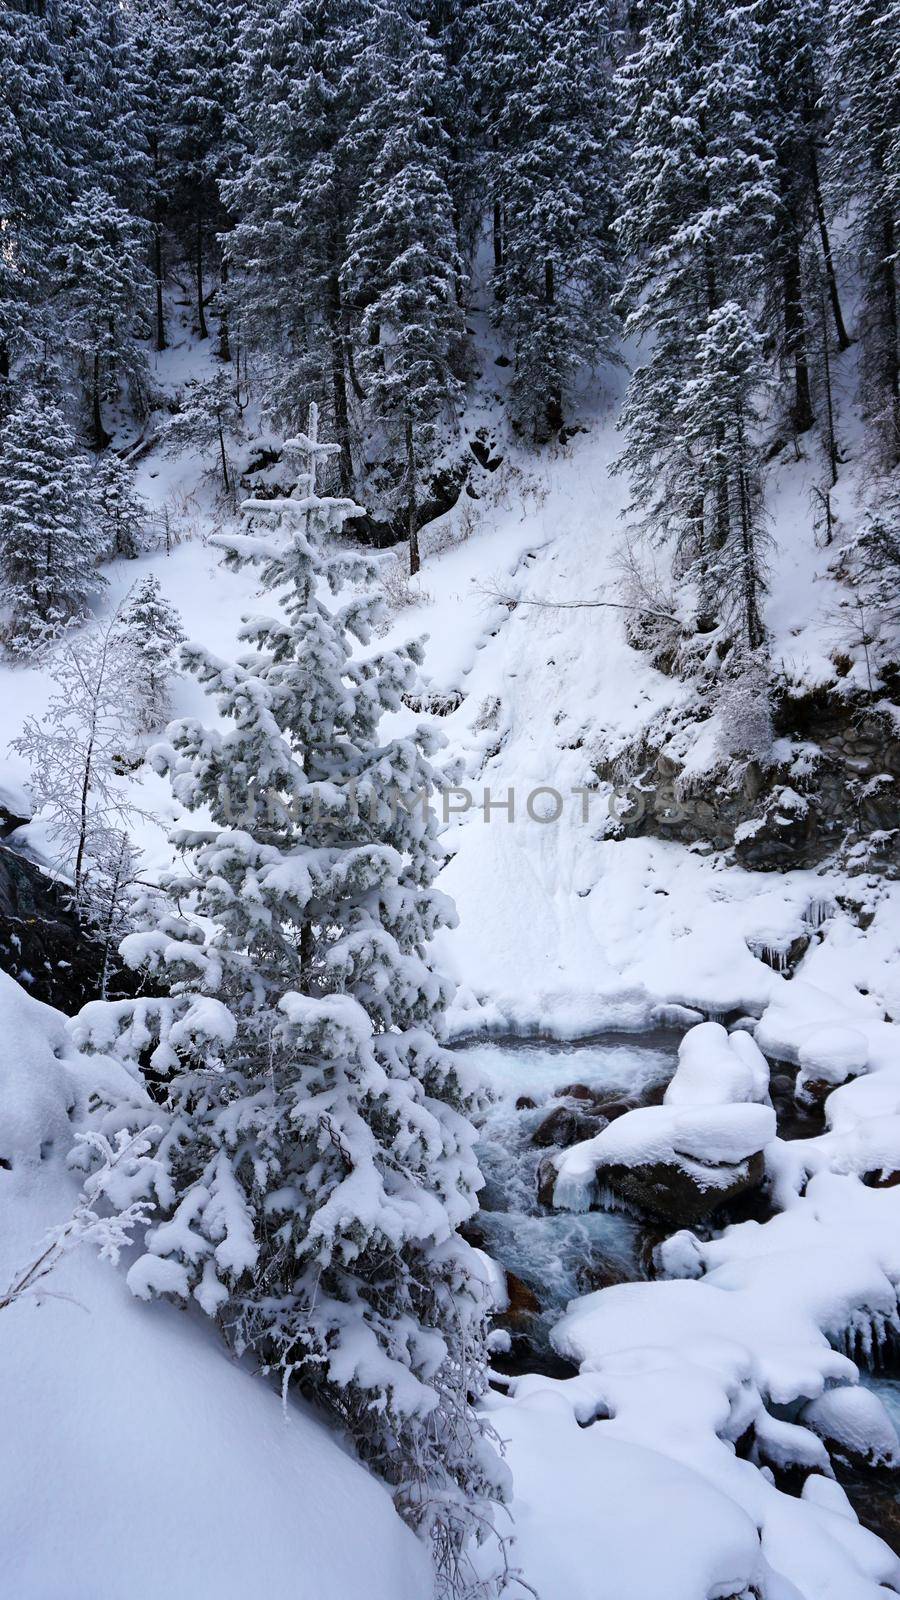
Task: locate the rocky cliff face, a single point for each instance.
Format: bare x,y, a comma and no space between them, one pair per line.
42,945
830,790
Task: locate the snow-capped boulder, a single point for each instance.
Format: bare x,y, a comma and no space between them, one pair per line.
829,1056
718,1068
855,1425
678,1164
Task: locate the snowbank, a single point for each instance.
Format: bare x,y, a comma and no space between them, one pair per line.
136,1458
717,1068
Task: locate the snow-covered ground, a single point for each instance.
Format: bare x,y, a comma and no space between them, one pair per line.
136,1459
171,1463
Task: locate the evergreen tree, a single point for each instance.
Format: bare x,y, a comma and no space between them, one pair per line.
34,132
50,542
105,286
120,511
205,37
717,418
700,202
154,92
403,262
797,118
104,136
293,195
152,631
543,84
864,172
315,1157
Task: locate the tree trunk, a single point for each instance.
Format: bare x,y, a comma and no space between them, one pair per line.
307,954
83,826
749,573
719,536
411,507
101,437
224,350
198,268
795,331
158,281
554,411
358,389
339,380
892,352
841,331
157,246
115,889
829,401
703,545
497,235
223,458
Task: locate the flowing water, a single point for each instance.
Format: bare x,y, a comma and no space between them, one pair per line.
556,1254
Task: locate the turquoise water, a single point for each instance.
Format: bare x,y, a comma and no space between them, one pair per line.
553,1252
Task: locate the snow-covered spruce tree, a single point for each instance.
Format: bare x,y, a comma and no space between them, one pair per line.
152,69
120,511
206,136
151,631
34,124
96,42
292,197
542,79
403,263
864,174
316,1156
699,203
717,418
106,290
50,541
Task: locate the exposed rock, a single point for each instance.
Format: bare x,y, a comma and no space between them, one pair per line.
565,1125
525,1103
854,1425
680,1193
41,943
608,1110
834,790
434,705
601,1275
483,450
612,1109
546,1181
521,1302
781,958
9,820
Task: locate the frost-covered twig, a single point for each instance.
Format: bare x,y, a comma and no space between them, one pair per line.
109,1234
494,592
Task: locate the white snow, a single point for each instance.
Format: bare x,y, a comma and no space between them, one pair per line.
717,1068
135,1456
130,1439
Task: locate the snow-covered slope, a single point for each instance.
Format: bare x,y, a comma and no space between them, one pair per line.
136,1459
561,931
